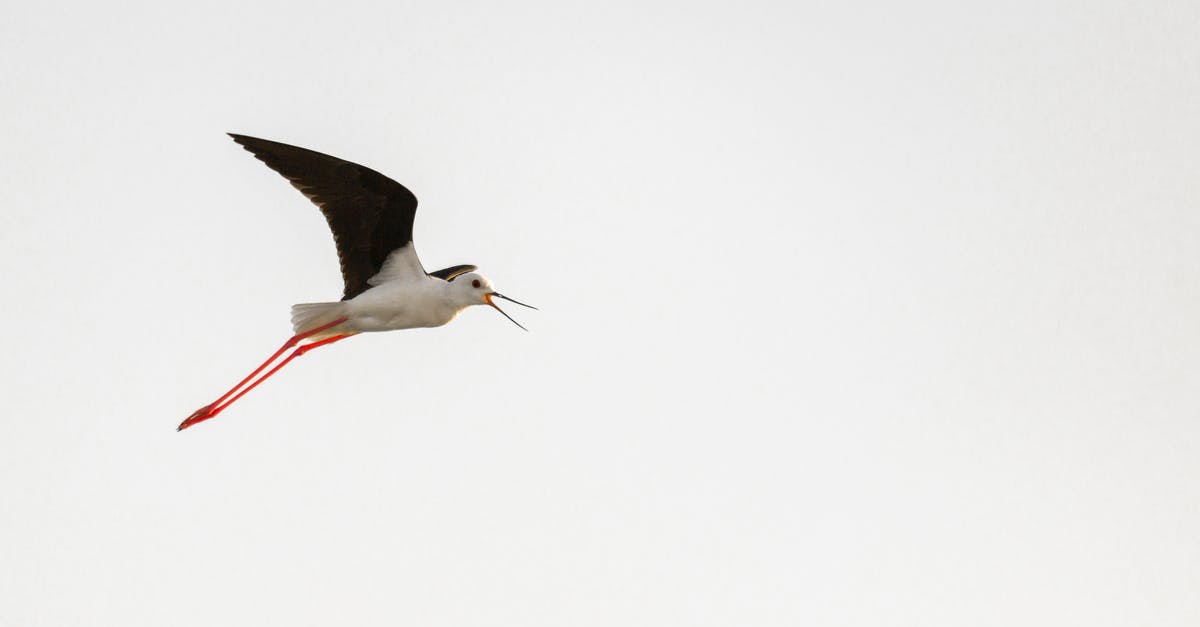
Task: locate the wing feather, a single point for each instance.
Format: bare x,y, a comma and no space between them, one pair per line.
369,214
449,274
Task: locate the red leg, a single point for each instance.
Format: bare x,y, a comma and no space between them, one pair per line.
215,407
296,353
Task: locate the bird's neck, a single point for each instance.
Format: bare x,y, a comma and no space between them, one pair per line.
456,298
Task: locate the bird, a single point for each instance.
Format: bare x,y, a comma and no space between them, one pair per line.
385,286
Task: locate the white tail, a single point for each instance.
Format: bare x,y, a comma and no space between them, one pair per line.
308,316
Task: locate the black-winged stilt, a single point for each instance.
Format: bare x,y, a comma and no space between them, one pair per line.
371,217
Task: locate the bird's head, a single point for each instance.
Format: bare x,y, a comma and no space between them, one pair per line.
473,288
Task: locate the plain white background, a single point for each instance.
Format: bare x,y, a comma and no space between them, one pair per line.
859,313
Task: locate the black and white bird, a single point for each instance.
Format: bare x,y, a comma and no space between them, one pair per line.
386,288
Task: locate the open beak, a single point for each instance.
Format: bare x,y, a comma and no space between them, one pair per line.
488,297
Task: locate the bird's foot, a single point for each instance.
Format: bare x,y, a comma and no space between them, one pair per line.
200,415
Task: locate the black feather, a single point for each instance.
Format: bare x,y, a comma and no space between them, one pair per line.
449,274
369,214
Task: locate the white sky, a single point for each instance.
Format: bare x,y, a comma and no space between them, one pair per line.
853,314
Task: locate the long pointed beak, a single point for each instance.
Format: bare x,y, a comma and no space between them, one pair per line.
488,297
499,295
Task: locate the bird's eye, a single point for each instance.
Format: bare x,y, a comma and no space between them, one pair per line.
475,283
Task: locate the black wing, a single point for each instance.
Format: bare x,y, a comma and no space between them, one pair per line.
370,215
449,274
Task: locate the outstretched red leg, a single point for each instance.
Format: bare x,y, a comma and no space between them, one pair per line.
212,409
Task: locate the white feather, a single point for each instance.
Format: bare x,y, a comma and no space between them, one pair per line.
306,316
401,266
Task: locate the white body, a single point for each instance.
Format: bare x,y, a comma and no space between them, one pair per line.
403,297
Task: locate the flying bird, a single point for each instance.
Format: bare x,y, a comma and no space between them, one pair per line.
386,287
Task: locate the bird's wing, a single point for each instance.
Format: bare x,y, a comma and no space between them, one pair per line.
401,265
370,215
449,274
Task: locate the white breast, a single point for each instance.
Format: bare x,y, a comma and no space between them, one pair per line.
402,305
